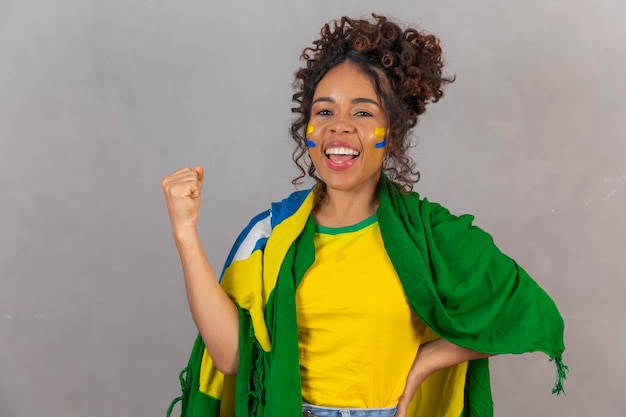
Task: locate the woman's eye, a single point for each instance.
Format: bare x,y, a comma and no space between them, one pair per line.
363,113
323,112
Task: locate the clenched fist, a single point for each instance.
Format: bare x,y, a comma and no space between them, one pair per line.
183,192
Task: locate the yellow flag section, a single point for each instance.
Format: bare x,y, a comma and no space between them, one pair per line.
241,278
241,282
217,385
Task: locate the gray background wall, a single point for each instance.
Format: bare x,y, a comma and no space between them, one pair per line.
100,99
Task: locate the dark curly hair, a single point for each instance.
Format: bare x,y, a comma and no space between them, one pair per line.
405,66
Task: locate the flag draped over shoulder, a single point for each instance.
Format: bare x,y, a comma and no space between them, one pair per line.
454,277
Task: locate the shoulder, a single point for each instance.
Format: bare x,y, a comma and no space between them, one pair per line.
433,215
254,236
431,211
287,207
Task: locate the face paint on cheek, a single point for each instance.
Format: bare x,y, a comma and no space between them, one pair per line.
381,133
309,142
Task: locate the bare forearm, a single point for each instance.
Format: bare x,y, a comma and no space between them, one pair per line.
440,354
431,357
214,313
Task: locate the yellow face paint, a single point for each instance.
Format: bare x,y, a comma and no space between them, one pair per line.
309,142
381,133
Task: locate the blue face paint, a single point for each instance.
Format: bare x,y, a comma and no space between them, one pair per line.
381,144
309,142
381,133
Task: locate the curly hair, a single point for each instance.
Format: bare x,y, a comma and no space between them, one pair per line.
405,66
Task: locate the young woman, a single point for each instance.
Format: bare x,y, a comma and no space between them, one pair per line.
357,297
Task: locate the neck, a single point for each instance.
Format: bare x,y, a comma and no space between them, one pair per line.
340,209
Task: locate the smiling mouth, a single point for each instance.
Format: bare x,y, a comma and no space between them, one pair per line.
341,154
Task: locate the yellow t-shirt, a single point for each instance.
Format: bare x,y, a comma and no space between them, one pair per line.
358,336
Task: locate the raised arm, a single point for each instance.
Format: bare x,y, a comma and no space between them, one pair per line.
213,312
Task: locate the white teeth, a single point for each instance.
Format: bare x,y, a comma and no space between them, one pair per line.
342,151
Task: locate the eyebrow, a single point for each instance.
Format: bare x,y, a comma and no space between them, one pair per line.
357,100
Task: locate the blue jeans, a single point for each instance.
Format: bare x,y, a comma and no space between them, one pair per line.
309,410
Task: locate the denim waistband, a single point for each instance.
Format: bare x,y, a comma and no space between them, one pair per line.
309,410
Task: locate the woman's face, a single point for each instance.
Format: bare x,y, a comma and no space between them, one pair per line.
347,132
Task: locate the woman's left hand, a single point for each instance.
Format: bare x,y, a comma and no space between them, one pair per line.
413,381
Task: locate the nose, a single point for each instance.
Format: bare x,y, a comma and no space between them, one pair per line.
342,126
